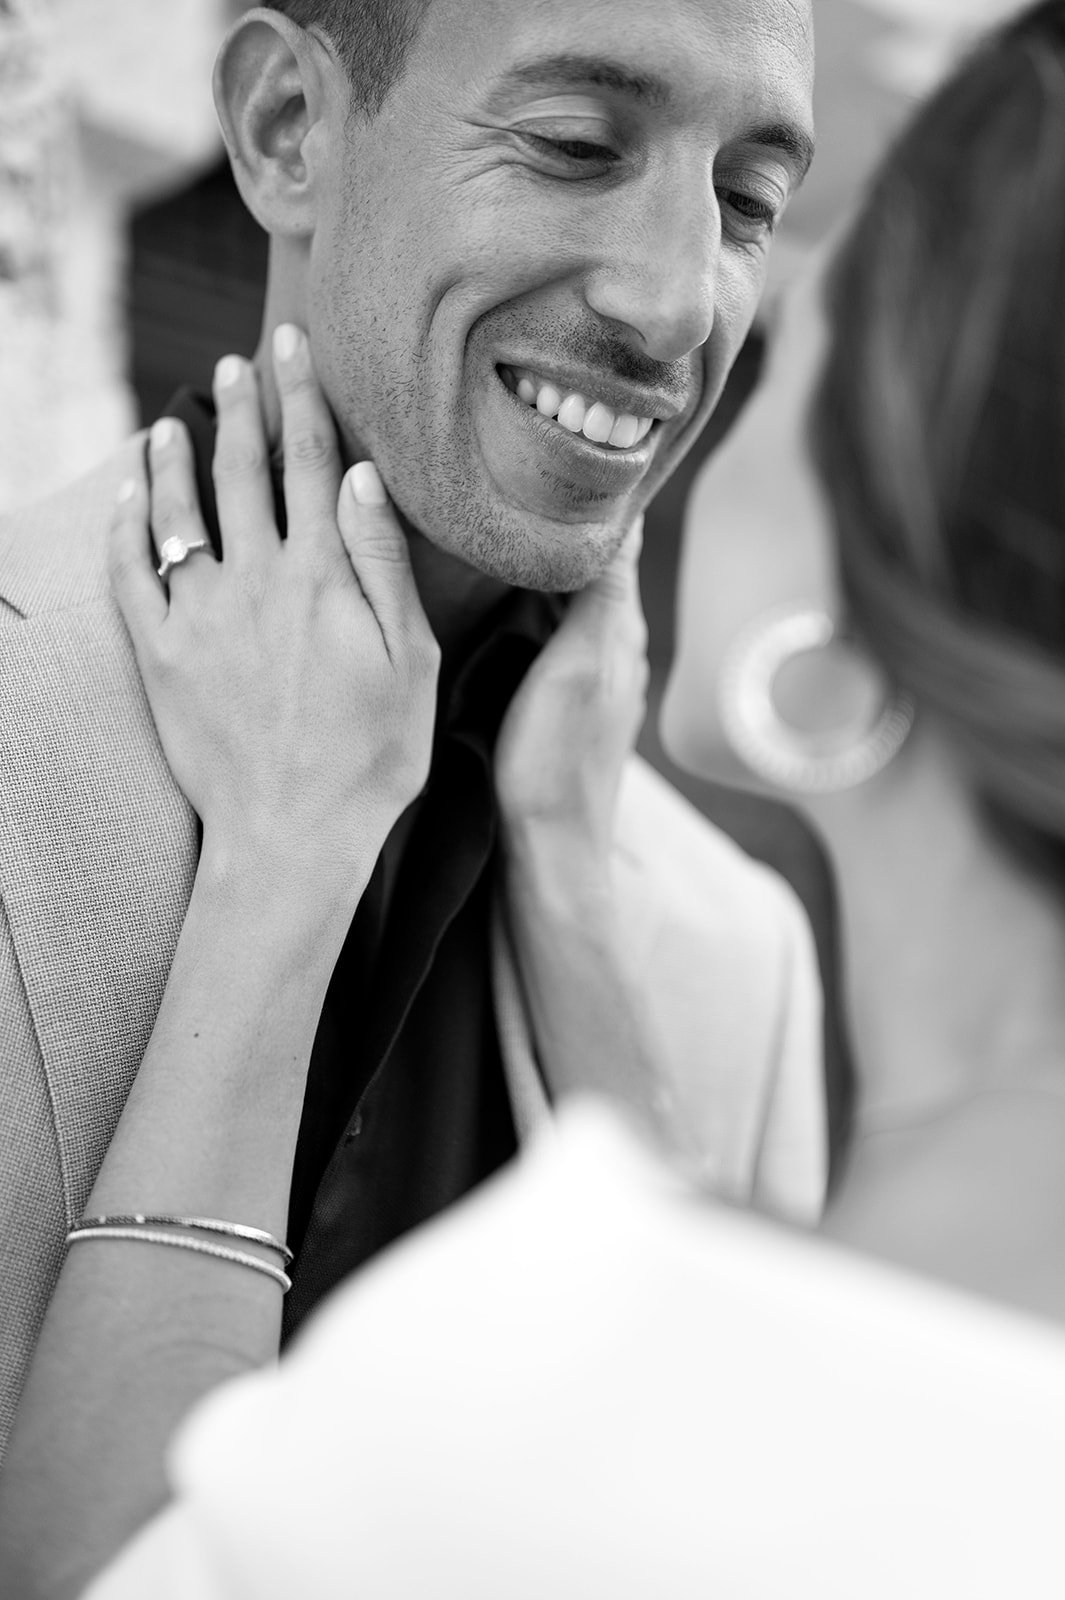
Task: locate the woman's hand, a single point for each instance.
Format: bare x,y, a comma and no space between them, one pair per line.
293,683
559,762
574,721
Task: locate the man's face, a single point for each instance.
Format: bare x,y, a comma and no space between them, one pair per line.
556,201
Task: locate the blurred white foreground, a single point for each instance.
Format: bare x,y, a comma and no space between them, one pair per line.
586,1382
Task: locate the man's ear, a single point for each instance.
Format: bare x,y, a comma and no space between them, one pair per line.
273,87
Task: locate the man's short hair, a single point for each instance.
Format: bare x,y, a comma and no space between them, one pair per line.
371,37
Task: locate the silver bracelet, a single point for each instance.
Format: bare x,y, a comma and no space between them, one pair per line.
177,1241
233,1230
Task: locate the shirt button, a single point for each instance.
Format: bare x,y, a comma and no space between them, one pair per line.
354,1128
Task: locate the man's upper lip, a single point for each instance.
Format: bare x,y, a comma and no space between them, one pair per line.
624,398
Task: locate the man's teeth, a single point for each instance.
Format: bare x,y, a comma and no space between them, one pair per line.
596,421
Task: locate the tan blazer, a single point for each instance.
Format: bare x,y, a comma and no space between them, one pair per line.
97,858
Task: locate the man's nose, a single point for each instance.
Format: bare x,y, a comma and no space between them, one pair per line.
657,271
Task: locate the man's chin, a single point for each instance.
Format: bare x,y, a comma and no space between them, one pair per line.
518,526
523,551
556,558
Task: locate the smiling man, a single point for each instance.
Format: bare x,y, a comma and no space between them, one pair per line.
529,258
526,239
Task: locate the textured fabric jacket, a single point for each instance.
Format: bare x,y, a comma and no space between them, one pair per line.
97,858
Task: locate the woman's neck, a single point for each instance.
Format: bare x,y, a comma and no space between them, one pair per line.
954,954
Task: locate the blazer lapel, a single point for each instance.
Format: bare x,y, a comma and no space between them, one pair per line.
96,866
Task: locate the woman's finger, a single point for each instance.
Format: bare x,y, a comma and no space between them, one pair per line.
377,550
611,603
174,505
312,456
241,467
620,583
140,597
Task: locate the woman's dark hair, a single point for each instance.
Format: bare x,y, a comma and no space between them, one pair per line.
372,38
939,425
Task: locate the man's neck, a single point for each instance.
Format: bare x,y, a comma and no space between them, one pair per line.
455,596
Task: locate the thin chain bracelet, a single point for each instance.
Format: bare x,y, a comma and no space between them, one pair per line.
233,1230
176,1241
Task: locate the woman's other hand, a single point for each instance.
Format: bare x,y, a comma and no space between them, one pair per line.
574,721
293,683
559,763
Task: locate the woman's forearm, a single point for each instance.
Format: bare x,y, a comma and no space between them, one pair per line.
228,1056
136,1332
298,767
591,1028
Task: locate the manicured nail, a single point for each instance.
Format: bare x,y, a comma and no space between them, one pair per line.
163,433
286,341
228,372
366,485
126,491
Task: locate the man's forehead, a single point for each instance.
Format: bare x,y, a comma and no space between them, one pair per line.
663,49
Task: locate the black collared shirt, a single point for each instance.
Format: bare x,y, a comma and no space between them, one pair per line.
406,1106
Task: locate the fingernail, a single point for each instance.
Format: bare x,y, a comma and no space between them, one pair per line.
366,485
162,433
228,372
286,341
126,491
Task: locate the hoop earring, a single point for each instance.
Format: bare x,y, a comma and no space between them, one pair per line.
781,754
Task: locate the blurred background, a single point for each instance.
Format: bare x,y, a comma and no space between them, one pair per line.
128,265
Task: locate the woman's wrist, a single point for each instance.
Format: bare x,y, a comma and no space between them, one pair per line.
563,883
271,881
562,856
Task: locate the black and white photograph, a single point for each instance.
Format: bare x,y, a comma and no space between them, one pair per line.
532,799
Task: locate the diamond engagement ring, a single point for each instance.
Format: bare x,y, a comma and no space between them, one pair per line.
174,551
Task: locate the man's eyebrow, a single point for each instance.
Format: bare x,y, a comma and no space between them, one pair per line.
577,72
788,137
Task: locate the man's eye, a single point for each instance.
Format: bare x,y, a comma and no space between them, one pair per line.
582,152
579,149
754,215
